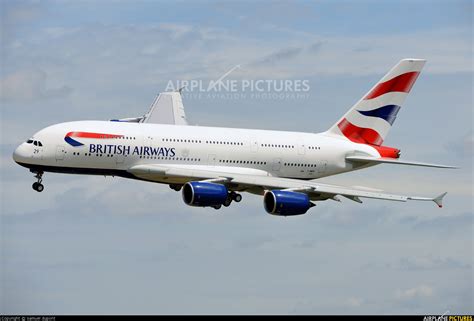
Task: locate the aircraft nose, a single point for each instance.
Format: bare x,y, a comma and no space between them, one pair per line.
20,153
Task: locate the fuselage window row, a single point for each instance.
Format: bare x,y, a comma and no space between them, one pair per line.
224,143
299,165
233,161
172,158
278,145
176,140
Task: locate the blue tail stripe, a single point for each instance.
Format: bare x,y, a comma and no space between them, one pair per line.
72,142
388,113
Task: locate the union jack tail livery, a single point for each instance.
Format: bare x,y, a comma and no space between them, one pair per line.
370,119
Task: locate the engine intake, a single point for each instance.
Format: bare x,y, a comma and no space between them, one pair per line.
204,194
286,203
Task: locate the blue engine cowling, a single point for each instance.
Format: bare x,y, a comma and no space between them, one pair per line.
204,194
286,203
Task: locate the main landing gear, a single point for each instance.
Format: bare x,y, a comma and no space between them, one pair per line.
233,196
176,187
37,186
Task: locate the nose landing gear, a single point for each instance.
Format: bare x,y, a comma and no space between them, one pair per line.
37,186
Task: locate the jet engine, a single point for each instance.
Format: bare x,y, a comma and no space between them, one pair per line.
286,203
204,194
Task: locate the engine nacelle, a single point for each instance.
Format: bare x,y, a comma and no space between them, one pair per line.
286,203
204,194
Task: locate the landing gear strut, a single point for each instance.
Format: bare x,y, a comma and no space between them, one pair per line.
37,186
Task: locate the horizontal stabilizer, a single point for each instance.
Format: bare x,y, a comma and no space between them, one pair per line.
128,120
380,160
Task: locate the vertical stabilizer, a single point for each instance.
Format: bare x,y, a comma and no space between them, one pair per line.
370,119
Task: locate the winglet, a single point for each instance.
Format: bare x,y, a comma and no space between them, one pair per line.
439,199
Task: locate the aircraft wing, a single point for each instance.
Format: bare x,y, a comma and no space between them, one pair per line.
167,108
257,182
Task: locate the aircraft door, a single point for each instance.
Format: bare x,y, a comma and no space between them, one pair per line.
119,159
321,166
211,159
148,141
276,164
254,146
60,152
301,149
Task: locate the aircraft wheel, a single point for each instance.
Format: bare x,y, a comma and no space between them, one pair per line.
217,206
38,187
237,198
175,187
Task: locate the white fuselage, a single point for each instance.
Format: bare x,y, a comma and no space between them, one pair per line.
257,152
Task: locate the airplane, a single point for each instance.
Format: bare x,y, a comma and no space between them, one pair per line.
212,166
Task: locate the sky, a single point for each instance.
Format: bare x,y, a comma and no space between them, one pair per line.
96,245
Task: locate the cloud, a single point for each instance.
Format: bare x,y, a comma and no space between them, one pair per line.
462,146
315,47
279,56
354,302
446,224
427,263
29,85
419,292
420,263
17,14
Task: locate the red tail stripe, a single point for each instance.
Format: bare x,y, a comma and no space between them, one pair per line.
91,135
359,134
401,83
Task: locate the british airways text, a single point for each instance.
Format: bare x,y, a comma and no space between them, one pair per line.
127,150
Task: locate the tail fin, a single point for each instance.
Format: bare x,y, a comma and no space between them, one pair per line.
370,119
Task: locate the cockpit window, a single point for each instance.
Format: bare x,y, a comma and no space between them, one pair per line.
34,142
